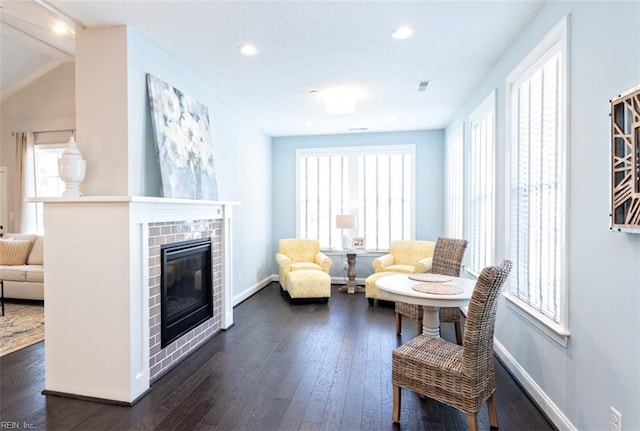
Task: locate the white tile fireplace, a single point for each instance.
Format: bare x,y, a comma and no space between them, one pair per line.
102,290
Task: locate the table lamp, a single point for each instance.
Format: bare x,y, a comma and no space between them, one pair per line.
345,221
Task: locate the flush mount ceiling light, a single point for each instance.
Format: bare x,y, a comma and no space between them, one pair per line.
339,100
248,49
404,32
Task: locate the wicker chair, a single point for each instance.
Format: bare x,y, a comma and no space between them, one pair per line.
447,260
460,376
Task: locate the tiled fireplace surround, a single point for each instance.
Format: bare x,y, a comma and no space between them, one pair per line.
161,360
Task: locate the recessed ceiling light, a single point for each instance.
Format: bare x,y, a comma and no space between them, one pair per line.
404,32
248,49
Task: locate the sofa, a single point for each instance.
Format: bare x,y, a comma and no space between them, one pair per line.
22,266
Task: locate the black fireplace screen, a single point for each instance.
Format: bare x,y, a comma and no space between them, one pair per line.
186,287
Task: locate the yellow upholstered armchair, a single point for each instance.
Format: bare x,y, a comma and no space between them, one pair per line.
406,256
297,254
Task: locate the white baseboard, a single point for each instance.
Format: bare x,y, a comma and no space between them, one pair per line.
254,289
545,403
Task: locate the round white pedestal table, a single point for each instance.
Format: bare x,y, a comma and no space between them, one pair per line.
400,288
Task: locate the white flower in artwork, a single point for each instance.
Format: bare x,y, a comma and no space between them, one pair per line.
170,106
173,149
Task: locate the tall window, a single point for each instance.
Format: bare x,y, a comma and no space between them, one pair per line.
537,141
455,185
376,184
47,180
481,185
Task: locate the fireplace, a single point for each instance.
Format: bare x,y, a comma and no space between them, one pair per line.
186,287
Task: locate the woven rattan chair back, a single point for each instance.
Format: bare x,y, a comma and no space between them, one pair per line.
447,260
447,256
477,358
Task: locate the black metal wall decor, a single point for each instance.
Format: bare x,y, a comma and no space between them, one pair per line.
625,162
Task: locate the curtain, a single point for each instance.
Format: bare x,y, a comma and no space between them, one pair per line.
24,213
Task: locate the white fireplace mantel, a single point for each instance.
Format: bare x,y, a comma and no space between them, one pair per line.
96,290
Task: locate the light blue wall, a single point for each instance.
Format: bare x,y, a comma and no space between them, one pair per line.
242,155
429,181
601,365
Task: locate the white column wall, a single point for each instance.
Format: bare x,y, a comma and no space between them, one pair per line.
89,300
101,109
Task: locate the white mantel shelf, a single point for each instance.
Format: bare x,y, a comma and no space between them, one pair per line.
97,289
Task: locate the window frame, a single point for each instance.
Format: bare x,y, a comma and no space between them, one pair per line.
488,105
352,152
556,40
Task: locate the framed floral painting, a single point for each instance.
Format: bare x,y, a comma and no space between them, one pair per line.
183,141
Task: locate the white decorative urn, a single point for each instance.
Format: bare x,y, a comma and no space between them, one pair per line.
71,167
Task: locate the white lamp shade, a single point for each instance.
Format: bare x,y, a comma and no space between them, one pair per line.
345,221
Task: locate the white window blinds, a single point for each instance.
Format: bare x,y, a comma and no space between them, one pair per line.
322,194
454,191
482,185
536,188
376,184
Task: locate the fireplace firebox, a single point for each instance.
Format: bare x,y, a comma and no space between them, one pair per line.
186,287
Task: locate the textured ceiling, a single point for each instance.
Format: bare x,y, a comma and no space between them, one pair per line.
308,45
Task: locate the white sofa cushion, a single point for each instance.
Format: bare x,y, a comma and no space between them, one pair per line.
29,236
15,273
36,256
35,273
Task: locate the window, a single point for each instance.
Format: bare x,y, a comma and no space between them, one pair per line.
537,143
481,210
47,180
376,184
454,191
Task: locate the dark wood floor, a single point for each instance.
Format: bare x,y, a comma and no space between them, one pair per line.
281,367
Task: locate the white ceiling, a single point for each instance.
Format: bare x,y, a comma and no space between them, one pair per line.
28,48
309,45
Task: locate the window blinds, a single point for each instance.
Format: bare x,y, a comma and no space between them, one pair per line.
482,186
537,187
